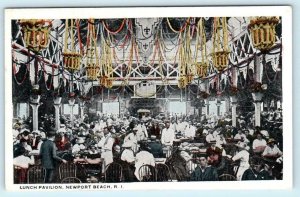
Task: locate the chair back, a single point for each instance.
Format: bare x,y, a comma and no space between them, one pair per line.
191,165
20,175
227,177
163,172
35,174
67,170
113,173
71,180
147,173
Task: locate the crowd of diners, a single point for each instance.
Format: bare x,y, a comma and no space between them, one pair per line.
194,148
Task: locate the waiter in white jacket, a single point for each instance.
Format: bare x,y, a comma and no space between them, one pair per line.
167,137
106,144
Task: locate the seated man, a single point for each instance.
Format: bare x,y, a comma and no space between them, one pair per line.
155,147
204,172
127,162
272,151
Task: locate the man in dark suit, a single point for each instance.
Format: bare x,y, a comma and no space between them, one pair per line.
49,157
203,172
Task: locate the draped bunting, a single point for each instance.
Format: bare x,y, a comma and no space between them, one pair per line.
145,34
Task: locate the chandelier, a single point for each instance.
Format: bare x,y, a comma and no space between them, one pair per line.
35,33
92,57
263,34
71,58
220,44
106,71
201,67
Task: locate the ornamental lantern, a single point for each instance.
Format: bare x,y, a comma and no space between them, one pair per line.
106,82
220,44
92,71
71,58
106,66
201,67
263,34
92,57
35,33
182,82
220,60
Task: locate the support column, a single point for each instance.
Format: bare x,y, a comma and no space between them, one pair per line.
81,105
218,108
207,107
233,100
227,105
71,104
57,102
35,103
257,97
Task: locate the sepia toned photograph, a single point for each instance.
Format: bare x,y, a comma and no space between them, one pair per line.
107,101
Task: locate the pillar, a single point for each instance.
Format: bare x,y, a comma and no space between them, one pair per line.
81,105
233,100
207,107
218,108
227,105
71,104
35,103
57,102
257,98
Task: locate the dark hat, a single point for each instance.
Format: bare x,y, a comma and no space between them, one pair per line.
51,132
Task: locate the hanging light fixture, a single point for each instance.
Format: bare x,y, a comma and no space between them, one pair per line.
35,33
263,34
201,67
92,59
106,71
71,58
220,44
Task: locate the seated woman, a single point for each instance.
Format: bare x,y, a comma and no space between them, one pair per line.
21,162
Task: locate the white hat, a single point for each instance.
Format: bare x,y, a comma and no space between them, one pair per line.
60,130
80,140
265,133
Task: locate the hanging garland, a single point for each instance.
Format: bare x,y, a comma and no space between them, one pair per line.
118,30
181,28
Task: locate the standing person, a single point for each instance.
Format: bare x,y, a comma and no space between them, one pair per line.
167,137
48,157
106,145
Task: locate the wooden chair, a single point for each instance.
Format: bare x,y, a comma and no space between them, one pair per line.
191,165
71,180
147,173
227,177
35,174
67,170
20,175
163,172
113,173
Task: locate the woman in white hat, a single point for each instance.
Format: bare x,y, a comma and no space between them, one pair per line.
78,146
